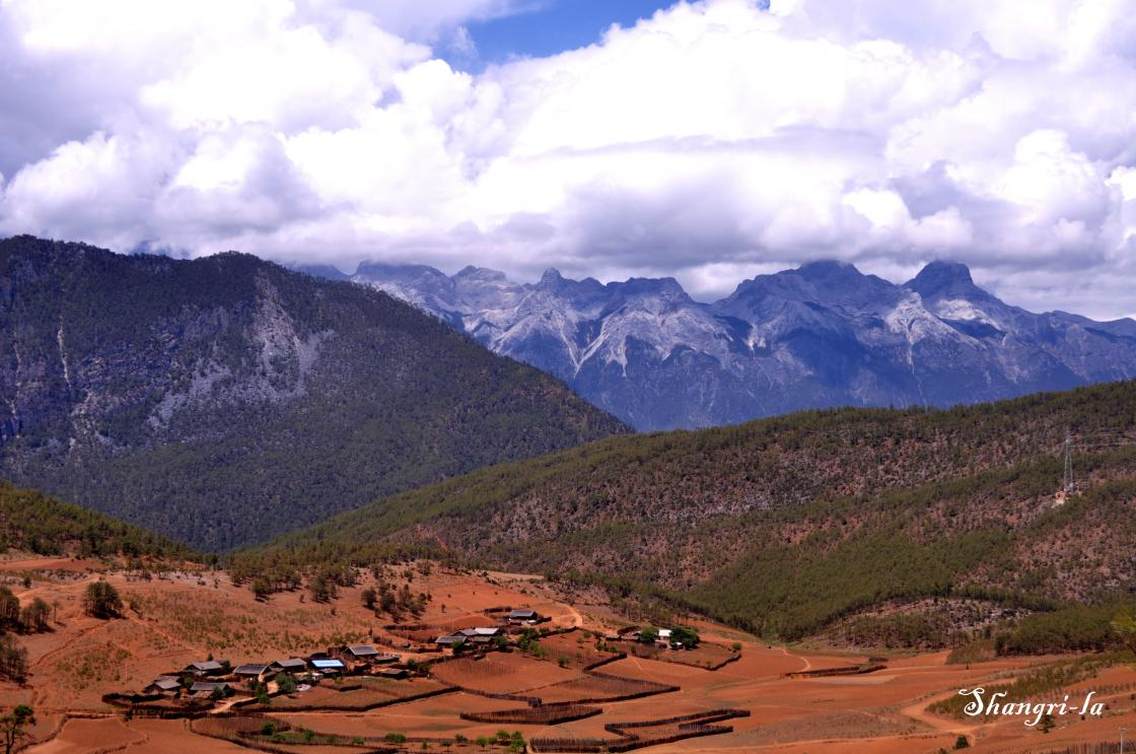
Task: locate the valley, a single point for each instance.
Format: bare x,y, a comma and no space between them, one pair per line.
185,612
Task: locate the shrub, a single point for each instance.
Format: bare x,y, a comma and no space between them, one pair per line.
286,683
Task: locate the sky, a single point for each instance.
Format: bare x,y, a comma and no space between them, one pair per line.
709,141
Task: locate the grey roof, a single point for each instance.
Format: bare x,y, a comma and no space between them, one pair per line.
450,639
165,683
291,662
522,613
490,631
362,650
394,672
208,686
205,666
250,669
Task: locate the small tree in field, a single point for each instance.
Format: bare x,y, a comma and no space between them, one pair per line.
13,660
102,601
13,726
687,637
35,616
9,609
261,589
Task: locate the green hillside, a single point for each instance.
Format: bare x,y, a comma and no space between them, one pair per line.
784,526
32,522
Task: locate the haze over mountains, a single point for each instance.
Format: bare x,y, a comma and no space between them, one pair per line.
226,399
821,335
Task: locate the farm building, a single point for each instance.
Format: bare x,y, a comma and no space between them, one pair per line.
524,615
489,632
328,666
252,671
206,667
395,673
165,684
363,651
208,688
291,665
450,640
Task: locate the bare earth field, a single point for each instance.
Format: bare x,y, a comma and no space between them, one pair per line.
178,618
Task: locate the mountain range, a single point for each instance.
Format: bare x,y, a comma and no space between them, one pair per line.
225,400
822,335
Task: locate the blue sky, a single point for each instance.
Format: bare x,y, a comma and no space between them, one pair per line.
552,26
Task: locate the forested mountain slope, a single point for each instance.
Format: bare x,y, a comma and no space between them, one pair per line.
225,400
33,522
784,525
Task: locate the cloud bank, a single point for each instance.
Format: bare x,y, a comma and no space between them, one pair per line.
712,141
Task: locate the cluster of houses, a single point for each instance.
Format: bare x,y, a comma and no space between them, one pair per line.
663,638
485,636
213,679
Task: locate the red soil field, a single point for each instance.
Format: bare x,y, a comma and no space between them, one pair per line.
181,617
510,673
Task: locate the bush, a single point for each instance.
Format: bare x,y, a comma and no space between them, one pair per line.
102,601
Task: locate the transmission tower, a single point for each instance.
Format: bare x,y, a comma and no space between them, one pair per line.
1070,484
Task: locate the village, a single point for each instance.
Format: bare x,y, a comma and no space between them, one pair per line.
529,668
207,683
493,663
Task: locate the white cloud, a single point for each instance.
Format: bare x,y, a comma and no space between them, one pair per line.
712,139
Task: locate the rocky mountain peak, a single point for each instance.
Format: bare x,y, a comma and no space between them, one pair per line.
942,277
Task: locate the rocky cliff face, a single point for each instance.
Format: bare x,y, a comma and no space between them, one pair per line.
225,399
818,336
